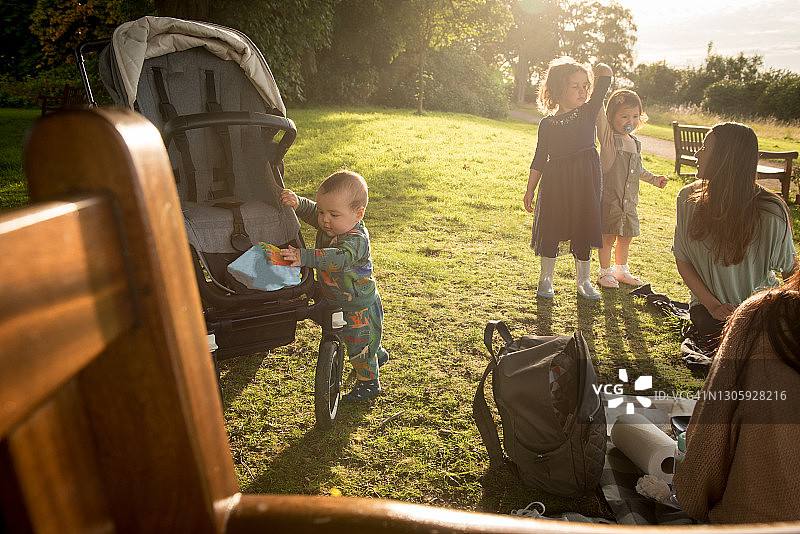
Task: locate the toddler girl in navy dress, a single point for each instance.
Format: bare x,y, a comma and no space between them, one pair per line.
566,167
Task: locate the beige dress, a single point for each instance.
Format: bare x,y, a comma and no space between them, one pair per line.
621,159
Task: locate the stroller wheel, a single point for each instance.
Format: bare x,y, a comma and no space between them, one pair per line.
328,382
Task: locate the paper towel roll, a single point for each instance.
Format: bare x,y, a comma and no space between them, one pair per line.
650,449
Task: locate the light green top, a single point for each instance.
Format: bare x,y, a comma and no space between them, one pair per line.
772,249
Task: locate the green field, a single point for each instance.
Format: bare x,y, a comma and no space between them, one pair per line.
450,247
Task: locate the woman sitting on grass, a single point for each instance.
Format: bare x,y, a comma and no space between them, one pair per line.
731,233
742,461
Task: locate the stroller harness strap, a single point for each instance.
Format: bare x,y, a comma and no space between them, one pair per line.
168,113
240,240
223,180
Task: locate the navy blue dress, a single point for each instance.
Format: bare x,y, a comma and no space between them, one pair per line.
568,205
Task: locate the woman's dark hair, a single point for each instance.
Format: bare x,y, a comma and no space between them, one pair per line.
728,202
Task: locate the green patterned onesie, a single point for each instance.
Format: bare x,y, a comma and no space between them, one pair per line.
344,269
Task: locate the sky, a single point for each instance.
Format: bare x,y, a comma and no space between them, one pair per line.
678,31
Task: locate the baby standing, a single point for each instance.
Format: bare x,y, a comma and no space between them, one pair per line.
621,158
566,168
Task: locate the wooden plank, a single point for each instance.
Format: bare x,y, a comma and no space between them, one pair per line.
151,398
53,462
65,297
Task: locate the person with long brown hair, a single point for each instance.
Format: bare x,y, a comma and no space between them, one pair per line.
742,462
731,234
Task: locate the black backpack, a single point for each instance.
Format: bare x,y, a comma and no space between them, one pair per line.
554,425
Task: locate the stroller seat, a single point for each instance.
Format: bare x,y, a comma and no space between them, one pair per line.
212,96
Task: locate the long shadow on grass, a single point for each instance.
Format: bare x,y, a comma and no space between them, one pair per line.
544,316
237,374
306,463
625,338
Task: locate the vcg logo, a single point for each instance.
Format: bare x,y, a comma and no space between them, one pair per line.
642,383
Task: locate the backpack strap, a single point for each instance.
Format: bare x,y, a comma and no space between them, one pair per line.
488,334
485,423
480,410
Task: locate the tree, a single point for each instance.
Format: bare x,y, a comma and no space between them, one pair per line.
183,9
437,23
739,68
589,31
656,82
592,31
286,32
19,49
532,41
62,25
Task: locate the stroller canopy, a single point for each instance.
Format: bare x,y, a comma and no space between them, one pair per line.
134,42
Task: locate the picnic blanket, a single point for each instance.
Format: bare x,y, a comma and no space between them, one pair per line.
618,481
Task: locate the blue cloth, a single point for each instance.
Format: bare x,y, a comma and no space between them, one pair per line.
254,271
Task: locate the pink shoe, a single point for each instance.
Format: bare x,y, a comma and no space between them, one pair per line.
605,277
623,274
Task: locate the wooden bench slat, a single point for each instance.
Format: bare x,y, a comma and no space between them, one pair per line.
65,297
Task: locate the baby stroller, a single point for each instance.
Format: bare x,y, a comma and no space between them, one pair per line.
212,96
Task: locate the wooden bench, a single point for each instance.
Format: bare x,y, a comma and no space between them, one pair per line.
688,140
110,419
70,97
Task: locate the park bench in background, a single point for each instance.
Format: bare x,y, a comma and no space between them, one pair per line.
70,97
689,139
110,420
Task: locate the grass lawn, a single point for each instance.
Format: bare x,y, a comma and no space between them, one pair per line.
13,123
450,247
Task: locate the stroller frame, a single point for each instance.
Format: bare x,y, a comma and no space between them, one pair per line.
239,321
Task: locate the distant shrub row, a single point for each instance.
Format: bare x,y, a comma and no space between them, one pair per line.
728,86
778,98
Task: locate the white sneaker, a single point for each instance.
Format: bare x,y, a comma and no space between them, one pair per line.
623,274
605,277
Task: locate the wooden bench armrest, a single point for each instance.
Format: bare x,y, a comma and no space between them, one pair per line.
768,154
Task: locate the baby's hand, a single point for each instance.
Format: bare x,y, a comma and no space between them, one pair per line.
289,199
601,69
662,181
291,254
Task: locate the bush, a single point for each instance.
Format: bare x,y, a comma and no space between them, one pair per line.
656,82
775,96
24,93
781,97
733,98
341,83
456,79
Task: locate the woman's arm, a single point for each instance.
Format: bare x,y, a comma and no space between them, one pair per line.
720,311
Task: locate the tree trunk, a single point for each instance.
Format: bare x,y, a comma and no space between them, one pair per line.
421,92
522,77
183,9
